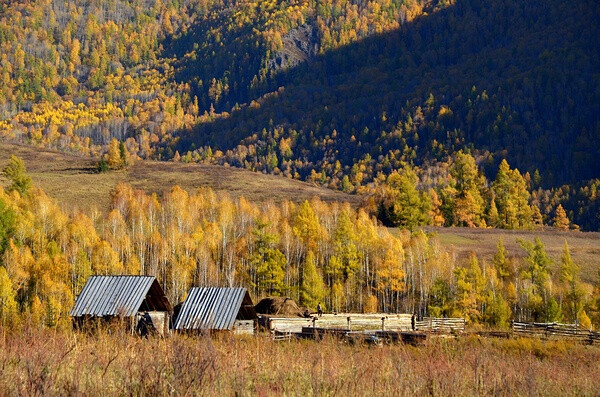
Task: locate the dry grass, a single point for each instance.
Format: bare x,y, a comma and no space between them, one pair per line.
74,182
584,246
62,363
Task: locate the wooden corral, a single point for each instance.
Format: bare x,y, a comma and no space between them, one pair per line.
345,321
441,325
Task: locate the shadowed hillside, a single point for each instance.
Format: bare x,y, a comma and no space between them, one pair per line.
516,78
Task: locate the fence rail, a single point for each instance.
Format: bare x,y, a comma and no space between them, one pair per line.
434,324
555,330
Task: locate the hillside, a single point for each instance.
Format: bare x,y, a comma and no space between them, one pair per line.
515,78
585,247
342,93
74,182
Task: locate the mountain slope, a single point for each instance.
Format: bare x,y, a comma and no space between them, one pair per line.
516,78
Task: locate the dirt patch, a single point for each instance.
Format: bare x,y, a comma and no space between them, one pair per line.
279,306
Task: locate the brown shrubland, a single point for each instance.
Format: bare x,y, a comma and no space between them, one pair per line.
65,363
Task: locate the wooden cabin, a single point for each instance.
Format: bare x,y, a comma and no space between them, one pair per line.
217,309
139,302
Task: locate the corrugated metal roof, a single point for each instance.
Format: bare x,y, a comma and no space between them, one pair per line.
115,296
211,308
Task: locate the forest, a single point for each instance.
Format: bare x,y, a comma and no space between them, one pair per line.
352,95
312,251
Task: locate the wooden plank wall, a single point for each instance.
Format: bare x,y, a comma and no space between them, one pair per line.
443,325
358,322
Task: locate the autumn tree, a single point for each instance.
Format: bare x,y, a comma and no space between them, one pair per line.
312,290
402,204
561,221
268,260
536,271
7,225
569,276
16,174
512,198
8,304
470,285
469,204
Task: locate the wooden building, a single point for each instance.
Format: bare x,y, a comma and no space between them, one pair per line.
216,309
138,301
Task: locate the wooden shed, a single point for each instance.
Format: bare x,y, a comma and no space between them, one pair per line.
138,301
217,309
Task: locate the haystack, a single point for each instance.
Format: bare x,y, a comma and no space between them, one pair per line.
278,306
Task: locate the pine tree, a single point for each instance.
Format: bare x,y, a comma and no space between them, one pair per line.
560,220
536,216
114,159
493,216
569,276
502,187
469,203
307,227
16,173
7,226
435,213
268,261
521,195
536,270
409,207
501,262
123,155
470,285
312,290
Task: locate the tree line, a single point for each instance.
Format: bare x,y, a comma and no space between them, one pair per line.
311,251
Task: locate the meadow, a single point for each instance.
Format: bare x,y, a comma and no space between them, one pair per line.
75,183
65,363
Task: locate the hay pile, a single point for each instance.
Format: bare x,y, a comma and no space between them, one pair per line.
279,306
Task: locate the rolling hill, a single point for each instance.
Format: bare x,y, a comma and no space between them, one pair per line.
75,183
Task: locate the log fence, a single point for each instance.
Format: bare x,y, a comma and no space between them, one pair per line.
555,331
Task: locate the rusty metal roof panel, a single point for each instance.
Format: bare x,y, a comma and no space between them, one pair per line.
210,308
112,296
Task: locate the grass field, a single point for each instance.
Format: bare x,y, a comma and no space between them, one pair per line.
66,363
584,246
74,182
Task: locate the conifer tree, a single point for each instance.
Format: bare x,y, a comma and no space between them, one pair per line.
7,226
312,290
561,221
469,204
268,261
536,271
113,157
501,262
307,226
569,276
16,173
409,207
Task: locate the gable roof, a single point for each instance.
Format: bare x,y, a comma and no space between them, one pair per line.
214,308
120,296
